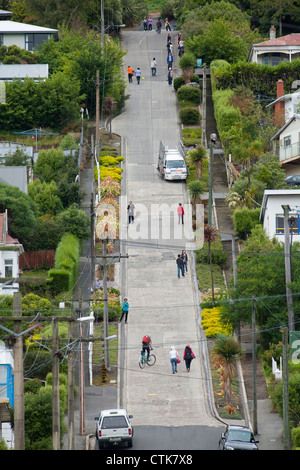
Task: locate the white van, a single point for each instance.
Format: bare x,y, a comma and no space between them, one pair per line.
171,163
114,427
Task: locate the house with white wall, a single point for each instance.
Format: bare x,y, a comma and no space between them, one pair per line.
10,250
25,36
272,214
275,50
287,143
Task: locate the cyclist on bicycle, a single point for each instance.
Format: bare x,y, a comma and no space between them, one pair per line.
147,345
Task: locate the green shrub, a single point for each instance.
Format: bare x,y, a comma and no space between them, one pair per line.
64,274
189,116
296,438
218,254
245,220
191,94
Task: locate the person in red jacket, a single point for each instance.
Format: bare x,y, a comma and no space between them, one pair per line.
180,212
188,356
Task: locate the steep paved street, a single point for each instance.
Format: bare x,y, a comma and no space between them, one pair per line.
160,304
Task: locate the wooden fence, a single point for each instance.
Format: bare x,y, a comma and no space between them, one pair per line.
37,259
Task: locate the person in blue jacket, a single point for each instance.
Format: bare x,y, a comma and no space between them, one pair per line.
125,308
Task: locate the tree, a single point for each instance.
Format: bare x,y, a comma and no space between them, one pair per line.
74,221
187,63
218,42
46,197
22,212
229,350
197,156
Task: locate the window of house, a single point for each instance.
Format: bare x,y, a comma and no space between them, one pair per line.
34,40
287,141
8,267
1,40
275,58
294,228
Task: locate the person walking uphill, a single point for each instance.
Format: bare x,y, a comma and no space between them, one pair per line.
188,356
180,212
125,309
173,354
130,73
130,210
180,266
153,66
138,75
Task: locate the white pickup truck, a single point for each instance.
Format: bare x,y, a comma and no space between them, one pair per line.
114,427
171,163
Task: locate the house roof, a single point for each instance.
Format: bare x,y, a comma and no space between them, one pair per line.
12,27
284,98
293,118
14,176
292,39
275,192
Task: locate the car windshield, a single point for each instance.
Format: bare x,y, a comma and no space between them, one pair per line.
175,164
111,422
243,436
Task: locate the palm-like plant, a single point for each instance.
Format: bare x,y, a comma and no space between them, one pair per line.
229,350
210,236
197,156
187,63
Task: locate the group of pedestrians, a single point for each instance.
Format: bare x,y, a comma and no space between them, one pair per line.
182,262
132,72
188,356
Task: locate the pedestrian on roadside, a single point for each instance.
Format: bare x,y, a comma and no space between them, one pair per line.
180,212
170,76
130,72
130,210
185,260
180,48
145,23
169,38
138,75
167,25
153,66
188,356
170,60
180,267
158,26
125,309
150,23
173,354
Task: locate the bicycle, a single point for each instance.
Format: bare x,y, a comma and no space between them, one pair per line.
143,360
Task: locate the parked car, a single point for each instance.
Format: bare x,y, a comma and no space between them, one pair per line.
114,427
237,438
293,180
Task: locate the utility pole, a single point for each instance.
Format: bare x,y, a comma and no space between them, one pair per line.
55,388
285,383
288,275
81,372
19,417
70,395
92,244
97,112
105,308
210,195
254,366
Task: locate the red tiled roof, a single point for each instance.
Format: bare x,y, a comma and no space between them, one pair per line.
289,40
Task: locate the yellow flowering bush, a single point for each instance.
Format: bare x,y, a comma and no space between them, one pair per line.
212,323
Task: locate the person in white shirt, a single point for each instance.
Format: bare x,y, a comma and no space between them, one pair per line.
153,66
173,359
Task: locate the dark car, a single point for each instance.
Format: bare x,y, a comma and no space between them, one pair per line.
237,438
293,180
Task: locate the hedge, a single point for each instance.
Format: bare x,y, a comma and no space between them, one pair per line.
64,275
189,93
189,116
